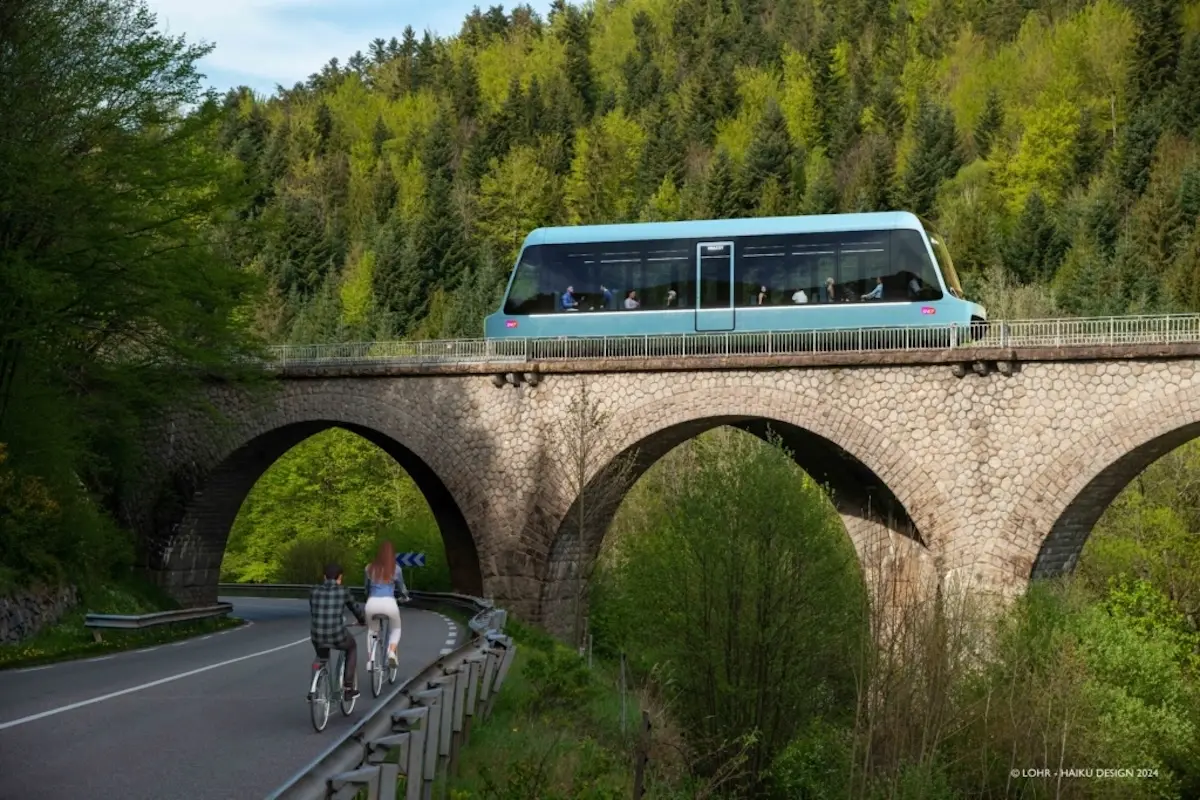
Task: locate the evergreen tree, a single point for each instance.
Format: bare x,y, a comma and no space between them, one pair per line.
989,124
1156,47
826,84
1088,148
466,90
642,76
720,191
935,157
887,108
1185,104
663,155
769,157
1135,152
440,237
1036,246
820,195
384,191
379,136
323,128
575,36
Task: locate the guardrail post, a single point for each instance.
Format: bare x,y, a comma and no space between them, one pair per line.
432,700
415,722
474,670
346,785
389,774
460,674
492,658
510,650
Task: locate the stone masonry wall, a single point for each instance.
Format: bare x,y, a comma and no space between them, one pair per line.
27,611
1001,474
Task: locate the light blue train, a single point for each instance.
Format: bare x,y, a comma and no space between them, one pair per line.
836,271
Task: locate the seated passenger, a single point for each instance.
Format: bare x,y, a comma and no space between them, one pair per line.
569,303
914,286
631,300
607,297
761,298
877,292
671,298
829,293
799,298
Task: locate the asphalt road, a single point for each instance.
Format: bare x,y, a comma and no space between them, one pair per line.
220,716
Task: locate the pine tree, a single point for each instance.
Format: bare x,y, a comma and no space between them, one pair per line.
826,84
642,75
466,90
820,195
323,128
662,158
1135,152
887,108
989,124
440,237
1036,247
379,136
769,157
575,37
1185,104
384,191
1089,148
1156,47
934,159
720,191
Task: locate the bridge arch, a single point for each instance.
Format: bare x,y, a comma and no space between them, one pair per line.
893,510
1055,515
211,464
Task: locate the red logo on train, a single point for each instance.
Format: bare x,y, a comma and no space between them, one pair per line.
927,310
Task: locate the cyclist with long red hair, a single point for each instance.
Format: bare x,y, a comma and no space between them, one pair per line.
384,581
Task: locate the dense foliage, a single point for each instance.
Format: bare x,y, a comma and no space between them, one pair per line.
1055,142
116,285
332,497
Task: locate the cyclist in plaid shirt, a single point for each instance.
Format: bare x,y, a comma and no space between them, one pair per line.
328,603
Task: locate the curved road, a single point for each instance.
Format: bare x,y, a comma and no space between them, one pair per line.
221,716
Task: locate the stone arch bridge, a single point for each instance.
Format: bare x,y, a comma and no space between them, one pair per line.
989,476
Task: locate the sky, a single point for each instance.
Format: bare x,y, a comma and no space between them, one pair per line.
261,43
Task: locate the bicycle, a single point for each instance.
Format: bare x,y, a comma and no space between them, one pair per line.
373,662
322,691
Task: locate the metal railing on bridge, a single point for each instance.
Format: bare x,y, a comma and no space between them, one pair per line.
1026,334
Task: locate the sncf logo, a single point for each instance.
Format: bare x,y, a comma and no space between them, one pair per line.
510,323
928,310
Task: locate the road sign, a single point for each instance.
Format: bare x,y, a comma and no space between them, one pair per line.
410,559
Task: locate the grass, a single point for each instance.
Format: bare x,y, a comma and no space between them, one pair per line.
69,639
555,733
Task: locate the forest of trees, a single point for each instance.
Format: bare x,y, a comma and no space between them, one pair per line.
1056,143
149,234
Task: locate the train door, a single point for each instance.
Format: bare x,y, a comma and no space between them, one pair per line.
714,286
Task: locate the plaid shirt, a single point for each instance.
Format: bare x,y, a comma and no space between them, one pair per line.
328,603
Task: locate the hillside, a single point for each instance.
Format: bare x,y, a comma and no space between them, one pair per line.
1054,142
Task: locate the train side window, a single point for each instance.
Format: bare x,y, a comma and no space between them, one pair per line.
863,267
912,268
601,276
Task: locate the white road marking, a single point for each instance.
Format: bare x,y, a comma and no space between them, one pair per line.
147,649
445,651
35,669
202,638
101,658
151,684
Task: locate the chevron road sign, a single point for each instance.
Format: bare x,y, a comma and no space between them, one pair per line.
410,559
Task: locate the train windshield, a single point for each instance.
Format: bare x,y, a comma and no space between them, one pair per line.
945,264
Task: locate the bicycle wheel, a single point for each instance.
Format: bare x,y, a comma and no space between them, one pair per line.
393,671
347,705
322,696
376,667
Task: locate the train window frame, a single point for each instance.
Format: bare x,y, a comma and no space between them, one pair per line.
649,267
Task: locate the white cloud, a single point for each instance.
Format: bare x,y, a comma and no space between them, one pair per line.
264,42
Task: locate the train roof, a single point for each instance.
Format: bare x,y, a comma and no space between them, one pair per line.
721,228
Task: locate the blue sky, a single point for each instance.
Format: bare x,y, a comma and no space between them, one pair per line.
260,43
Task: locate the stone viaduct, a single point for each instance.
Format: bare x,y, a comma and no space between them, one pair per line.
987,476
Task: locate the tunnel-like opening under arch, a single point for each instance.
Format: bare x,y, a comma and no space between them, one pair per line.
889,544
1059,551
191,525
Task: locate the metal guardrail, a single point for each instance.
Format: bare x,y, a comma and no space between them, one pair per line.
1045,333
425,721
98,622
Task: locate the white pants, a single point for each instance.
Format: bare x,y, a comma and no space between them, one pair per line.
387,607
